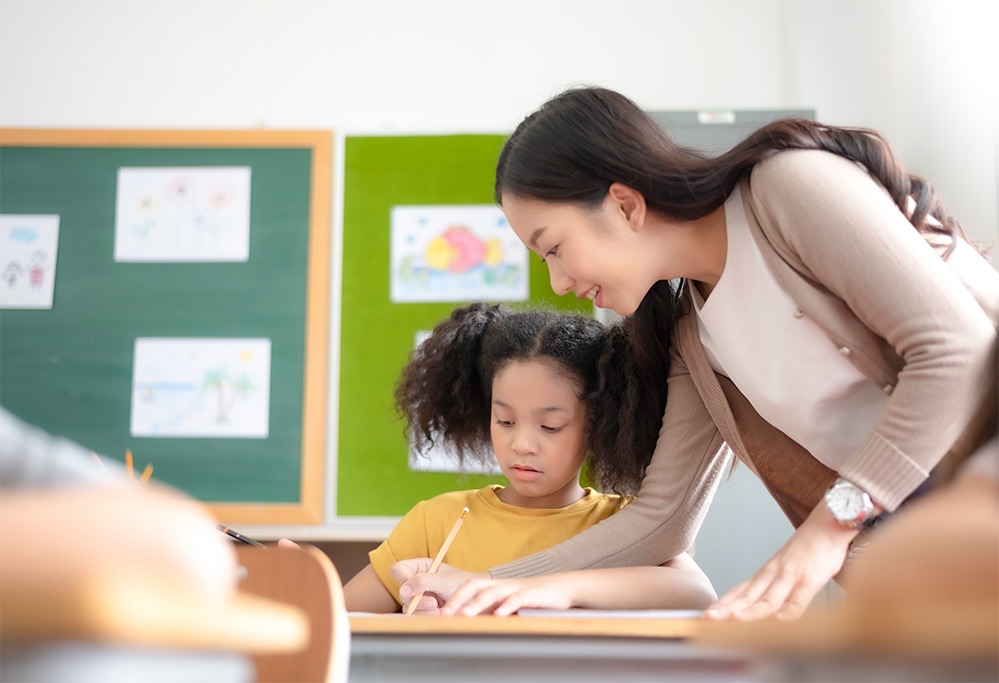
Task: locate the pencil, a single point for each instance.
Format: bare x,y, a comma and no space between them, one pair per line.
440,556
146,473
238,536
128,465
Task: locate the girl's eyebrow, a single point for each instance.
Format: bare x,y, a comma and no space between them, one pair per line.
532,241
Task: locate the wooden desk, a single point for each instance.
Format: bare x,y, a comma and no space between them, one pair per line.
619,650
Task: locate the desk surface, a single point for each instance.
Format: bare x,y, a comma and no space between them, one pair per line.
610,627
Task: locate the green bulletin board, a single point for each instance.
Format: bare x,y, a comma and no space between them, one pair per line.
377,335
69,369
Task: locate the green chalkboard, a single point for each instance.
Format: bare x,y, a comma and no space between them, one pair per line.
377,335
69,369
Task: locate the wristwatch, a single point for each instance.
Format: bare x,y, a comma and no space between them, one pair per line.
849,504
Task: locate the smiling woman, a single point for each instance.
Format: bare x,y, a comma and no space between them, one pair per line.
541,393
808,301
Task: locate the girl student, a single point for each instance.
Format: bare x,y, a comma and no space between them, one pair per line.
813,306
540,393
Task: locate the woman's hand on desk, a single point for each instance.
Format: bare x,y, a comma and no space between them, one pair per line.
437,587
788,583
504,597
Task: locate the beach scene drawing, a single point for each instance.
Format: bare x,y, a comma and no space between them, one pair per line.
213,388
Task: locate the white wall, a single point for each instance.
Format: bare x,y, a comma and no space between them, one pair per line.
921,71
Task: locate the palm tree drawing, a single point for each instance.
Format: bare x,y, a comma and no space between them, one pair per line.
229,390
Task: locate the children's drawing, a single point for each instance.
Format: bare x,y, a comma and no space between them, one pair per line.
442,457
212,388
456,253
183,214
28,248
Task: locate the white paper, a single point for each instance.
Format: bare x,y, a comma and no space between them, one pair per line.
182,214
456,253
217,388
28,248
612,613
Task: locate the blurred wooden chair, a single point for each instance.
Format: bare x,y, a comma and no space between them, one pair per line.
114,624
305,579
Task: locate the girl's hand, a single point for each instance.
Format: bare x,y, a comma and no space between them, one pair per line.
786,585
503,597
437,587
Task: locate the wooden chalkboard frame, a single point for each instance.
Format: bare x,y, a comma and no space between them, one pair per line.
310,506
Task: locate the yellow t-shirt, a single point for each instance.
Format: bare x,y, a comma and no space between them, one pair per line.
492,534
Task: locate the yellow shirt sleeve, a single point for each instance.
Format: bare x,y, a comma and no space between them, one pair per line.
407,540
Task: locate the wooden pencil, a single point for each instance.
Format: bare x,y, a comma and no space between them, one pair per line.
146,474
440,556
128,465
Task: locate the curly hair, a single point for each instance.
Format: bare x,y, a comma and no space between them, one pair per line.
445,391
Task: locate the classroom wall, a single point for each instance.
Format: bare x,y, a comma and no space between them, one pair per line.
921,71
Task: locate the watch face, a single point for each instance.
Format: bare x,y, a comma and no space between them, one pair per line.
847,504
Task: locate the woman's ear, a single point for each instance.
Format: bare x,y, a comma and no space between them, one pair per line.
628,203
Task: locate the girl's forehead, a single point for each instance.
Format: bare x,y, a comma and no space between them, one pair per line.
540,369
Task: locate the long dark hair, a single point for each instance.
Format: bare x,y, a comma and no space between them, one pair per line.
445,391
580,142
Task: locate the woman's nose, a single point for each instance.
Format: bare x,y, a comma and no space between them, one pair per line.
561,283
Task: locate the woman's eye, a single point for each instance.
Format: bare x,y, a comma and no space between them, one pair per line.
550,252
551,430
504,423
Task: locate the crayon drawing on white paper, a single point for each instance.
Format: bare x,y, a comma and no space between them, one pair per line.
28,248
182,214
455,253
214,388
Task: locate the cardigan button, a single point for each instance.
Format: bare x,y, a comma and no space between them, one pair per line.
888,388
798,312
845,350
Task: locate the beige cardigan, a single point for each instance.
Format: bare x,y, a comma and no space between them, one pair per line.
922,328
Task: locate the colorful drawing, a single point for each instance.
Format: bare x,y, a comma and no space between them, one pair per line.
28,248
183,214
455,253
201,388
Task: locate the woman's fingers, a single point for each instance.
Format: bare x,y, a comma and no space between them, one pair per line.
786,585
477,596
743,595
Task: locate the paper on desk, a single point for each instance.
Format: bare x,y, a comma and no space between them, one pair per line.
613,613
